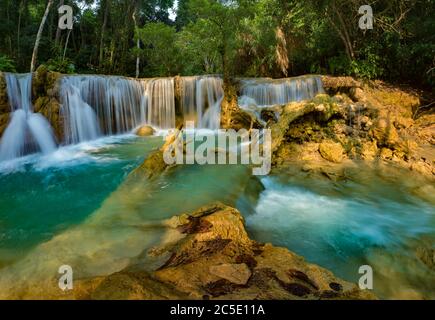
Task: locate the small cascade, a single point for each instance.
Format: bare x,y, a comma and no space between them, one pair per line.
158,103
100,105
268,92
80,119
27,132
201,100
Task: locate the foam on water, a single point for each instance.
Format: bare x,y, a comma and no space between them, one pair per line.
344,224
343,233
66,156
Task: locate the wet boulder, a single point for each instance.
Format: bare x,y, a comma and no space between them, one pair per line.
145,131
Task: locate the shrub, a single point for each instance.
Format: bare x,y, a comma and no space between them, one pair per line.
6,64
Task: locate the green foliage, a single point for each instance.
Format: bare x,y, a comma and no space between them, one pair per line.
6,64
198,49
273,38
158,40
61,65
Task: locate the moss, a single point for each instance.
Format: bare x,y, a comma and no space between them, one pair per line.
45,82
4,105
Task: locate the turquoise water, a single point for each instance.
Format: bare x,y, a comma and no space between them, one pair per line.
78,206
370,220
41,196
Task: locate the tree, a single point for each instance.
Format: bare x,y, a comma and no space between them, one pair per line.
158,40
224,19
38,36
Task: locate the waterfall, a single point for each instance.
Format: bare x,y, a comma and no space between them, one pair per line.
98,105
27,132
80,119
159,102
268,92
93,106
201,100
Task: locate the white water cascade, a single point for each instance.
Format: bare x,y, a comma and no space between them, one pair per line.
201,100
267,92
93,106
100,105
27,132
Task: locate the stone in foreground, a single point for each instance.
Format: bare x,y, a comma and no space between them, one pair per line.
211,256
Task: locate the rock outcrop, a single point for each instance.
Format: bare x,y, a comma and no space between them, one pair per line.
212,257
374,124
45,99
232,117
4,105
332,151
45,87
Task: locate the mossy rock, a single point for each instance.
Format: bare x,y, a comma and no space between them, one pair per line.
50,109
4,105
45,82
4,120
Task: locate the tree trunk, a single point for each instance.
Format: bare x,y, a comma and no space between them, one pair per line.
58,32
21,9
103,30
38,36
66,45
344,34
137,42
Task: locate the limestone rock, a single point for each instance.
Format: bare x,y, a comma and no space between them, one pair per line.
386,154
211,258
4,120
369,151
45,82
155,164
232,116
50,107
4,105
386,134
332,151
339,84
427,256
422,167
234,273
145,131
357,94
220,261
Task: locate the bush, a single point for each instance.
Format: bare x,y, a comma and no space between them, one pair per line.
61,65
6,64
366,68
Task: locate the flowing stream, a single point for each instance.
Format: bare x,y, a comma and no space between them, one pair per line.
78,205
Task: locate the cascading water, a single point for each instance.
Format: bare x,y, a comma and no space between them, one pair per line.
268,92
158,102
93,106
98,105
27,132
201,100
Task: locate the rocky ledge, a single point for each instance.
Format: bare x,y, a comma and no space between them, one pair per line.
208,255
377,125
